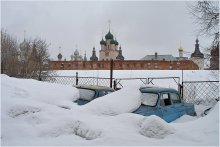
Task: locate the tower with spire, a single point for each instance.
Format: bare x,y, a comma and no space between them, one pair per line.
59,56
93,57
180,52
109,47
198,57
120,56
85,58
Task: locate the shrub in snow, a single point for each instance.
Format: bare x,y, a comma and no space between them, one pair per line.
155,127
19,110
84,131
74,127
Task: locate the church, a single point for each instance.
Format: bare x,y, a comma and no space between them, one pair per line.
110,50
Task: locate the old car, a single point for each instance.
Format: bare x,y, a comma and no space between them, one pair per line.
88,93
163,102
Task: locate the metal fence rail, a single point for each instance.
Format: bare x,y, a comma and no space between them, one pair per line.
201,92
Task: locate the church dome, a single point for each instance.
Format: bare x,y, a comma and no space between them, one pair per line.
76,53
109,36
180,49
102,42
112,41
116,42
59,56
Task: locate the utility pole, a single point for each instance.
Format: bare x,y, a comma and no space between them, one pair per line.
111,72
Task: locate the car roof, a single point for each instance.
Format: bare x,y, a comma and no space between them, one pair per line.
94,87
157,89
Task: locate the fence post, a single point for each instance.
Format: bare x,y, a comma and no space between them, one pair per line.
115,84
111,72
77,79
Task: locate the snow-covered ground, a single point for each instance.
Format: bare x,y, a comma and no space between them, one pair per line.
38,113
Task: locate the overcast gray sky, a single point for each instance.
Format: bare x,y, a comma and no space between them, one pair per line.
141,28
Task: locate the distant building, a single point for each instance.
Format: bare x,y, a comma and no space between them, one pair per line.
198,57
76,56
94,57
167,57
159,57
109,48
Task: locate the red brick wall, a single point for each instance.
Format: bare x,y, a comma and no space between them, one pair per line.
123,65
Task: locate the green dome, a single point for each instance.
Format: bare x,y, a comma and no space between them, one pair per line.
116,42
109,36
112,41
102,42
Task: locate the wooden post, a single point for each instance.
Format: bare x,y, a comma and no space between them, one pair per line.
111,72
77,78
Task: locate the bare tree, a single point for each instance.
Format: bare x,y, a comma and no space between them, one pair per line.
35,57
41,58
29,59
206,16
9,54
25,52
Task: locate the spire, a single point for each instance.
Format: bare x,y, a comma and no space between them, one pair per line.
120,56
59,49
109,23
180,48
24,34
197,52
85,58
93,57
59,56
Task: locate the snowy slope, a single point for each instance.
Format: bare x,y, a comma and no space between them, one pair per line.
38,113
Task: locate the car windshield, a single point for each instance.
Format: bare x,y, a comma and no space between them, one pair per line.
149,99
86,94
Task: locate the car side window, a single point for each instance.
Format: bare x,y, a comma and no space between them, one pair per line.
102,93
165,100
175,98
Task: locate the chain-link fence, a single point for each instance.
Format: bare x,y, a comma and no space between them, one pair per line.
71,80
201,92
196,92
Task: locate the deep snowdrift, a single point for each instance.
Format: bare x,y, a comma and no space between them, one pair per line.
125,100
38,113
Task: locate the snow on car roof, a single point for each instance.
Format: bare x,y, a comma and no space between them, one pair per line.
95,87
157,89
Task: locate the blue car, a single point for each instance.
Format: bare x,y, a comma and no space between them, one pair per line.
88,93
163,102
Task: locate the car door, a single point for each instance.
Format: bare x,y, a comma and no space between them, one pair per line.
177,104
169,111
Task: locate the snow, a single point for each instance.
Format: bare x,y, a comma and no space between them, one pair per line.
155,127
117,102
37,113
